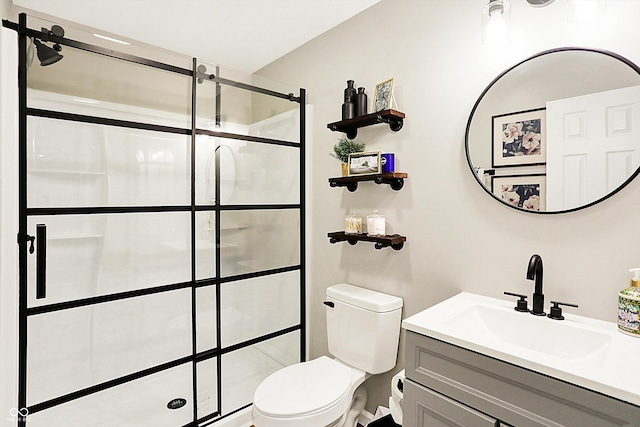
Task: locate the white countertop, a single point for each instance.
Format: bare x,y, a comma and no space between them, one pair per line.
587,352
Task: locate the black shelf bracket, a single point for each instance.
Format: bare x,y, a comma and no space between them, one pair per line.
395,120
394,179
395,241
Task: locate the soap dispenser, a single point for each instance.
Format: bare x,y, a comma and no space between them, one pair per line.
629,306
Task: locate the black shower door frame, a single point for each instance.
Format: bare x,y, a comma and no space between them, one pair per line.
27,243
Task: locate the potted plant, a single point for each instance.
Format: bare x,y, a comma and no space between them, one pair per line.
342,149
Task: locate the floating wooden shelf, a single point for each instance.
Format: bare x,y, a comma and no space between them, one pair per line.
396,241
394,179
394,118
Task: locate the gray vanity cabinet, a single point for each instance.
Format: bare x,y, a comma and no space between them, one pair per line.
450,386
430,409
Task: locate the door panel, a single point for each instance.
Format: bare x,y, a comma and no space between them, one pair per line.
142,402
92,255
73,349
595,146
259,306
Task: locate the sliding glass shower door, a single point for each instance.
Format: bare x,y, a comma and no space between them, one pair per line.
161,237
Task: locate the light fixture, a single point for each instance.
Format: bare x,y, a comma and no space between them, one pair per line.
46,55
582,11
496,17
49,55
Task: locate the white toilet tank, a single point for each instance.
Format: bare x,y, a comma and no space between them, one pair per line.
363,327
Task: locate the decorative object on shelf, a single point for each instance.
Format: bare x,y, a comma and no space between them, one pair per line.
349,106
388,162
353,223
348,109
394,118
375,225
365,163
384,96
361,102
394,179
350,91
519,139
343,149
395,241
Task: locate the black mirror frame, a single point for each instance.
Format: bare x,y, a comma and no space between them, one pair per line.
475,106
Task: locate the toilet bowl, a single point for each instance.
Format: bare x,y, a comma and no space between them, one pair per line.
319,393
363,329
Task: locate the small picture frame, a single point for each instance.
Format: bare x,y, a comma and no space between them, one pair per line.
519,139
526,192
383,96
365,163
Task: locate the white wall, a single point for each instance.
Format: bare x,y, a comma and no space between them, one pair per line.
458,237
8,218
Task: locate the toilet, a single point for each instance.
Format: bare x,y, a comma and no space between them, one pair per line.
363,329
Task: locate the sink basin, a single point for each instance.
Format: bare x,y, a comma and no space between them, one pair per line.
587,352
547,336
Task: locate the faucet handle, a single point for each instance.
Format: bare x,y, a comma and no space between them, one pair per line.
521,304
555,312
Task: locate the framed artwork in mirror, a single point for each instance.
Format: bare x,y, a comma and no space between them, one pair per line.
383,96
365,163
519,139
527,192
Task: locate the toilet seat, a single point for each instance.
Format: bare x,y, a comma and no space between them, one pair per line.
304,389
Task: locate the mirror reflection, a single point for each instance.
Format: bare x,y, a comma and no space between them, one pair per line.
557,132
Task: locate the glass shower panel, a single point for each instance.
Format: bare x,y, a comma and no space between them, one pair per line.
205,245
207,372
205,170
258,240
73,349
263,173
91,84
91,255
250,172
243,370
142,402
206,326
74,164
227,104
259,306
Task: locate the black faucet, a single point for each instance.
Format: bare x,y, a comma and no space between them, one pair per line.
534,272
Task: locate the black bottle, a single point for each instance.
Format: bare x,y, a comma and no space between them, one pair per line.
350,91
361,102
348,109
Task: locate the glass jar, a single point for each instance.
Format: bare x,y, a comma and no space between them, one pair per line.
375,224
353,223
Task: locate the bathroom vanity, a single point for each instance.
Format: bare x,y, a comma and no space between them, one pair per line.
474,361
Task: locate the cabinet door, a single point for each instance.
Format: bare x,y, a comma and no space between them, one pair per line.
423,407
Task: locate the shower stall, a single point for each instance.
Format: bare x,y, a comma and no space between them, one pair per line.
161,233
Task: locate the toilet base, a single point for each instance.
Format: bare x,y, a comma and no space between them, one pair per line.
350,418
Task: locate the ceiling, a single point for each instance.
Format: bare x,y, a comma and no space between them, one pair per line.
240,34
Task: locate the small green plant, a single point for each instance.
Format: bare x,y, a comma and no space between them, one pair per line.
344,147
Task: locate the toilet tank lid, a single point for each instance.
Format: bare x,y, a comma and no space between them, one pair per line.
364,298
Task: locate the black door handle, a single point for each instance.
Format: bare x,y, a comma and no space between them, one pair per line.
41,261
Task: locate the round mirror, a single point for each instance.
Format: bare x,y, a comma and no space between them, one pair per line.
557,132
